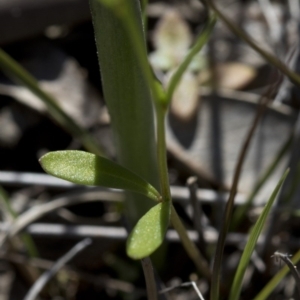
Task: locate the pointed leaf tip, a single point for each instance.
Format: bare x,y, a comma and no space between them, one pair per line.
89,169
149,232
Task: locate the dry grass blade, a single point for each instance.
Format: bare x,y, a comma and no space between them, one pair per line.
192,283
37,212
42,281
197,212
149,277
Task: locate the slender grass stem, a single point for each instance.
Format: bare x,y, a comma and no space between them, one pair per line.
189,246
161,152
26,238
270,58
45,277
201,41
19,74
149,278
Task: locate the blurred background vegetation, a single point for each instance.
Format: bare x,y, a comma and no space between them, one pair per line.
211,112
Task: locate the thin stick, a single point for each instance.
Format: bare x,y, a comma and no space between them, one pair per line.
292,267
191,283
42,281
197,212
149,277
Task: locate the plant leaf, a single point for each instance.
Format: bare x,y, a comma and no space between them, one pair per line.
123,59
149,232
200,42
253,237
89,169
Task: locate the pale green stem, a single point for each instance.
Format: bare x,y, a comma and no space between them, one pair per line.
27,240
161,153
201,41
189,246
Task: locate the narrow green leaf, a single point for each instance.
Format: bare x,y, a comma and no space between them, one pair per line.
149,232
241,211
127,95
202,39
253,237
17,73
89,169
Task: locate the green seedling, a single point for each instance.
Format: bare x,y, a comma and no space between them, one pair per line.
131,93
88,169
119,36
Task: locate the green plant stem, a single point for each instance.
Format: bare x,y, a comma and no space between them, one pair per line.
273,283
201,41
149,278
161,109
189,246
27,240
273,60
161,152
242,210
19,74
